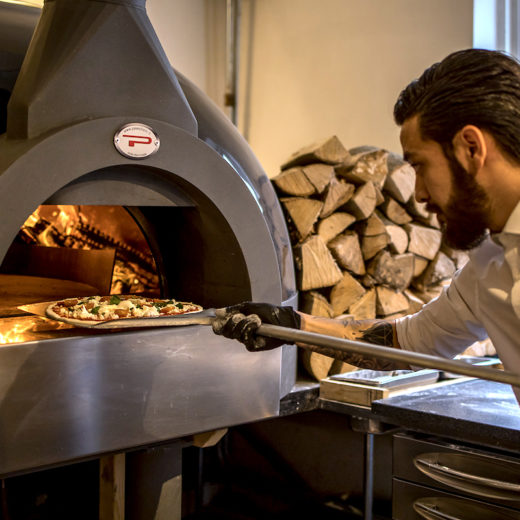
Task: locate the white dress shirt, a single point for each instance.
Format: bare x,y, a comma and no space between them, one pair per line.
482,300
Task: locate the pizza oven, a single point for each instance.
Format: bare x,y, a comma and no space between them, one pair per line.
118,175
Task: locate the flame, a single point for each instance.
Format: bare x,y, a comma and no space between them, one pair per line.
33,3
28,328
65,218
16,334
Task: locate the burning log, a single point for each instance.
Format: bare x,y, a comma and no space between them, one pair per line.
363,246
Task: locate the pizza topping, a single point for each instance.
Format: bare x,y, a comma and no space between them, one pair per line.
102,308
114,300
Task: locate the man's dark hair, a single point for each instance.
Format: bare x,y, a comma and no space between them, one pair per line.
473,86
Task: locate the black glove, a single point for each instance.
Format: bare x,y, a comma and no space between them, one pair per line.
241,321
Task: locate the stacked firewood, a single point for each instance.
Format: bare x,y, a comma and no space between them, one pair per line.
363,246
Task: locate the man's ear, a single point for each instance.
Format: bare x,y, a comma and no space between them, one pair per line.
470,148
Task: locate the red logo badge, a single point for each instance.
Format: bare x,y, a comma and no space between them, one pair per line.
136,141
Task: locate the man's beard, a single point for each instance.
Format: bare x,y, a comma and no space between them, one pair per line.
467,211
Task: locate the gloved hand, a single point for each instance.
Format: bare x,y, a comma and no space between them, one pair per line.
241,321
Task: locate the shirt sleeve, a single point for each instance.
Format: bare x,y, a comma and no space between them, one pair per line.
447,325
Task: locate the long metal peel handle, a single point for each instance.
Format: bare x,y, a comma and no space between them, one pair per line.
346,346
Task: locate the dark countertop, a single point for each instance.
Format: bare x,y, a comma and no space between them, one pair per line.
474,411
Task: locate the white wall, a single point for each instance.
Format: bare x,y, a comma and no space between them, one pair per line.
311,69
181,28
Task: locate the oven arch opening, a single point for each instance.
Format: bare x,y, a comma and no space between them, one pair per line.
184,246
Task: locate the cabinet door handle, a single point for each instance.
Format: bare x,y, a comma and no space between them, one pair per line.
443,508
472,474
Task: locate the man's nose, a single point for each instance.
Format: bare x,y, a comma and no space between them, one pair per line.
421,193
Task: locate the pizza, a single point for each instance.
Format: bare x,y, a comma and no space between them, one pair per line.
92,309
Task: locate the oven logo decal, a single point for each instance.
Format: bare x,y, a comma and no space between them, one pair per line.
136,141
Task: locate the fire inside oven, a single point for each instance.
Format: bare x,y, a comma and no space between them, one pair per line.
103,248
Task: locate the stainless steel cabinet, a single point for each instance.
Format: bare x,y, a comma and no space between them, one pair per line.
435,479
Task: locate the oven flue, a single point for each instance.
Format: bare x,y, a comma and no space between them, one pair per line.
91,59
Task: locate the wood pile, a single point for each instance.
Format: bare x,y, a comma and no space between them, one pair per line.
363,246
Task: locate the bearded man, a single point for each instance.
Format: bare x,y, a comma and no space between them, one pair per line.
460,130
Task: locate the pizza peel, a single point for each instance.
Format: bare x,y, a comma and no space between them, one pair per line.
337,348
204,317
35,308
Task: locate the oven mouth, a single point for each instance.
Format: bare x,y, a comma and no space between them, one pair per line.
102,247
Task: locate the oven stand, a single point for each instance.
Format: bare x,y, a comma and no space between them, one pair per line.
369,427
369,475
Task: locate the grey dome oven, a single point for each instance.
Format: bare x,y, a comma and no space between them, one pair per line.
98,119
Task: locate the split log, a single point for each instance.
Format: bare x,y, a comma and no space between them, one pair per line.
303,213
390,302
431,221
397,238
316,304
316,265
340,367
365,307
370,246
393,270
319,175
400,181
415,303
459,258
419,265
430,294
294,182
424,241
317,365
328,151
395,212
338,192
345,293
380,198
368,167
371,226
439,269
358,152
347,252
421,214
417,209
332,226
363,202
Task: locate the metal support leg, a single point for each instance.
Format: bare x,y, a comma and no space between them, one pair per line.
369,475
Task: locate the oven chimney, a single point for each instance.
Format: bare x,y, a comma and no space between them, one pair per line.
91,59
